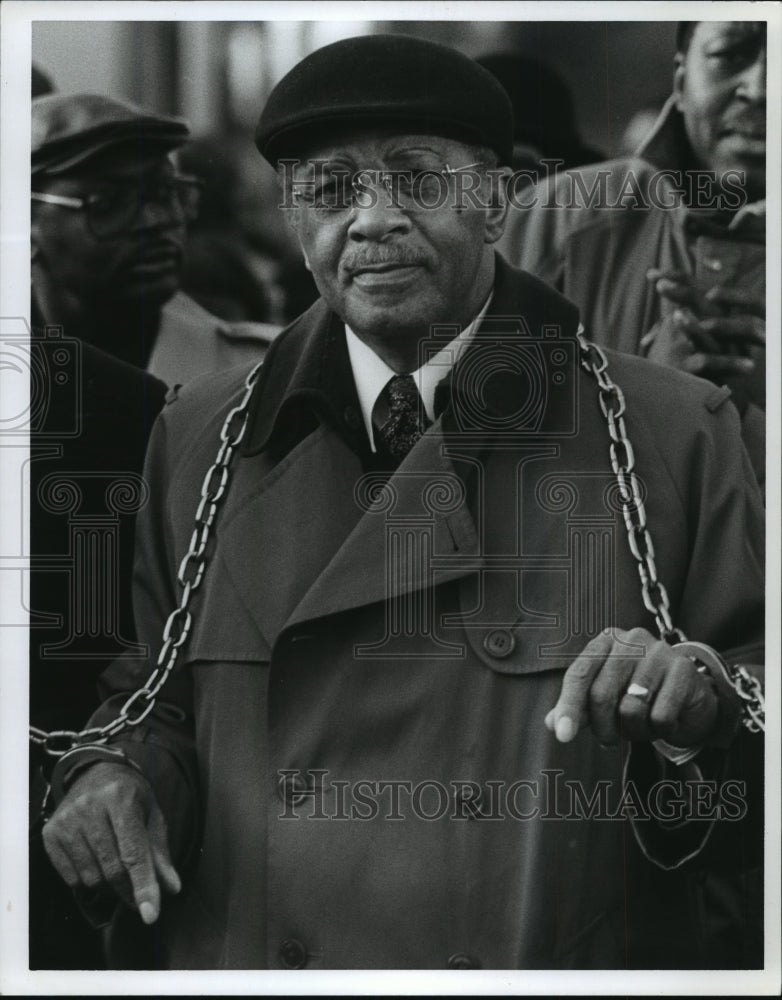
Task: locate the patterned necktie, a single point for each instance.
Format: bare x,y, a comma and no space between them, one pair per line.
406,420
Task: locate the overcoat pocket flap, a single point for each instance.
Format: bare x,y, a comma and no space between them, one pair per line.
520,626
223,629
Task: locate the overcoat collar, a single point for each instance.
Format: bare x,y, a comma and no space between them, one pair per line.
307,372
316,494
666,147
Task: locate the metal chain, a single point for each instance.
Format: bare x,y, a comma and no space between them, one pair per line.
750,690
655,596
180,622
193,565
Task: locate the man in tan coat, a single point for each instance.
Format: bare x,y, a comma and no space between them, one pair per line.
665,252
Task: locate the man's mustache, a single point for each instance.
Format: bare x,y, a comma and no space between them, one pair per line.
398,257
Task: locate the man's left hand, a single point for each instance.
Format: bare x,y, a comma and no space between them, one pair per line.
632,686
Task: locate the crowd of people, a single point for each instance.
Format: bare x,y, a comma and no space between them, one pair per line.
486,522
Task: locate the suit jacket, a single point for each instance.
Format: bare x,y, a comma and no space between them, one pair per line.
358,638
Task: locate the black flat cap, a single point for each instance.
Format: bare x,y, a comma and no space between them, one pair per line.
396,80
70,130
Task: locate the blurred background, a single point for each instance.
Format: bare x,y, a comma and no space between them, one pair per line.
217,74
582,91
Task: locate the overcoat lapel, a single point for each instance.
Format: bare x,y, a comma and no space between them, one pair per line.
286,529
322,546
419,517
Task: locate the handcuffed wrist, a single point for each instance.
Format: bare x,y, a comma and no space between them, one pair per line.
75,761
729,704
676,755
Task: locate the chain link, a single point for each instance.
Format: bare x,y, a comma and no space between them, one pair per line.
655,596
191,570
750,690
612,405
180,622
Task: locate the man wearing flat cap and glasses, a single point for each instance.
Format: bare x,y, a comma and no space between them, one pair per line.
108,226
418,662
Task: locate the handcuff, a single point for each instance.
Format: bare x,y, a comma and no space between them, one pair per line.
730,700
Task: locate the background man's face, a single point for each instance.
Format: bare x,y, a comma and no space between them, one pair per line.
720,87
389,268
140,262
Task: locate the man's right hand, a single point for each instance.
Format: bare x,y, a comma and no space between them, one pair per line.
699,337
109,831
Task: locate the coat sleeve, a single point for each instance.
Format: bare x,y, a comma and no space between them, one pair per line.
722,605
162,745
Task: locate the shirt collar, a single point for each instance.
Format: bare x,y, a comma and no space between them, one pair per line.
307,377
371,374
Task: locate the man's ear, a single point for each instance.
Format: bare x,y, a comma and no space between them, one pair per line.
292,218
679,74
497,213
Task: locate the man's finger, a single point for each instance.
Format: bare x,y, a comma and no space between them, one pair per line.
60,857
605,694
136,854
688,325
681,277
87,864
570,712
709,365
685,702
107,854
749,301
161,857
743,329
683,295
641,692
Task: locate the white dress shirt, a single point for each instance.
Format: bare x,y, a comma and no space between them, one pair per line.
371,374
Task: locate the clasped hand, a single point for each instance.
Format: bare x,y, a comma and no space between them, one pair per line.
708,333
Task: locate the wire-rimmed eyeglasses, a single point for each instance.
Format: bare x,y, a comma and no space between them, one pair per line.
117,209
339,190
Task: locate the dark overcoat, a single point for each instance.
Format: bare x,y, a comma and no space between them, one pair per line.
352,759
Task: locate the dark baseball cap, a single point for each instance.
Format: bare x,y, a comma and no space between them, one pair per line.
68,131
385,80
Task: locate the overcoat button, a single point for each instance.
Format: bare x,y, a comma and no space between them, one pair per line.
293,954
500,643
352,418
461,961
